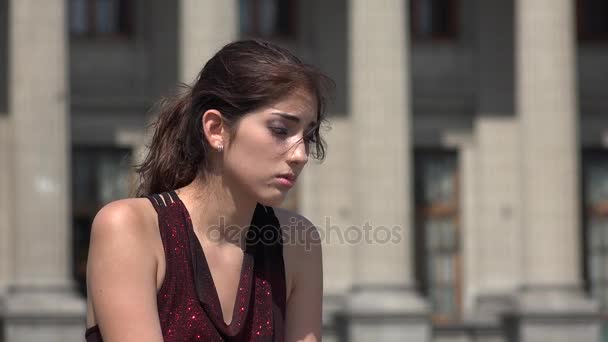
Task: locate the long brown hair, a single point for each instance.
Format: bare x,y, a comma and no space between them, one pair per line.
240,78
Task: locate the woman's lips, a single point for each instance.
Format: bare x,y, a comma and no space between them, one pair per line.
284,181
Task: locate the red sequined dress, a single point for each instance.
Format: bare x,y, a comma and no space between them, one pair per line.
188,304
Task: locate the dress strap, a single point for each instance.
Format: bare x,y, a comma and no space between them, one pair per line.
163,200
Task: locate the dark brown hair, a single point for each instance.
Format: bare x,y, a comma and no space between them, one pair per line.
240,78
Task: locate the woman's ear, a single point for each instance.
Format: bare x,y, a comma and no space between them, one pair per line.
214,128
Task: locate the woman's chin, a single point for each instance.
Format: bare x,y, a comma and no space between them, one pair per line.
273,199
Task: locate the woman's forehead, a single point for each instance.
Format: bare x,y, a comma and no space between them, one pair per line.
300,103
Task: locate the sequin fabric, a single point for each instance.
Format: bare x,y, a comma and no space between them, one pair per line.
188,304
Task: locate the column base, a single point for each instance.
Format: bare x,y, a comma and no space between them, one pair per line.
384,314
553,314
44,315
489,307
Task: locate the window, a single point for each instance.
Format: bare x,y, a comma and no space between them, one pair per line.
268,18
595,223
95,18
592,20
434,19
99,175
437,232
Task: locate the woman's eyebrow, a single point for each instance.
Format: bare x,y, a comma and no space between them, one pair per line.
292,117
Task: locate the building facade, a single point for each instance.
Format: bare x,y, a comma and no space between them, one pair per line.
468,141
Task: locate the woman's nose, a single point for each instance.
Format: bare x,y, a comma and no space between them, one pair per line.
299,153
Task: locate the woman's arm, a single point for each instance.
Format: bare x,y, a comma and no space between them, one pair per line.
304,267
121,275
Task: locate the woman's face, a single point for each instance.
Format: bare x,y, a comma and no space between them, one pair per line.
270,148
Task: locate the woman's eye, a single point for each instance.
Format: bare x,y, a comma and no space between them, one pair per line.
279,130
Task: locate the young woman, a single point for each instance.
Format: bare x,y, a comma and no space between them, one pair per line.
200,254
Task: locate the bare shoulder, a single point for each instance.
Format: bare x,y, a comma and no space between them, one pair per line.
302,252
122,227
304,274
131,215
123,257
299,234
290,217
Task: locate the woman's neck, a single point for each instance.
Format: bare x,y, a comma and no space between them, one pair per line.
220,214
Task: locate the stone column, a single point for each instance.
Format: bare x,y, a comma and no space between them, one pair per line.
551,305
204,27
42,304
325,198
383,304
497,137
6,212
6,207
6,168
498,210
